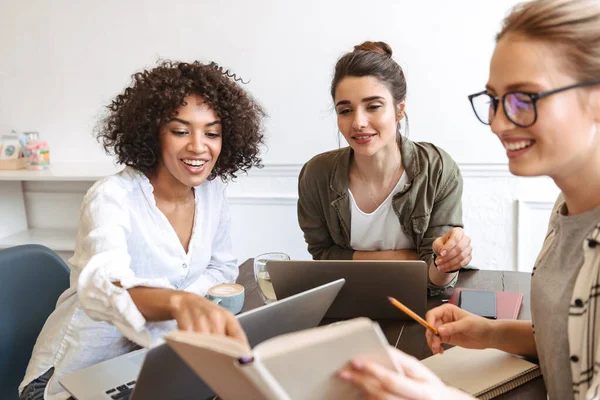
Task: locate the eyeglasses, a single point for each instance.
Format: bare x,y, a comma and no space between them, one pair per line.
519,107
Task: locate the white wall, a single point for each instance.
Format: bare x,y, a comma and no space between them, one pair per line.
62,61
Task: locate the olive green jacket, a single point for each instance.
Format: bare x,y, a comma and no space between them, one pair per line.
427,206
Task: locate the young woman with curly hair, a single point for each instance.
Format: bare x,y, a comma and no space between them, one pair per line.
153,238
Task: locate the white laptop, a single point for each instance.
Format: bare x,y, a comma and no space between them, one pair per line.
159,373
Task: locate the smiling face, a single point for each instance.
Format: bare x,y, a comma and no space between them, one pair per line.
190,143
564,137
366,114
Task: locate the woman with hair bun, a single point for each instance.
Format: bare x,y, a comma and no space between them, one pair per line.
384,197
153,238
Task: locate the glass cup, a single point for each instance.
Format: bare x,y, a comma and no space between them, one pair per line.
262,276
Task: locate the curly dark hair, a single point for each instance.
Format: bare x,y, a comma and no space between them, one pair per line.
131,129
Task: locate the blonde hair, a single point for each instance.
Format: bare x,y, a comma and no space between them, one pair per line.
571,25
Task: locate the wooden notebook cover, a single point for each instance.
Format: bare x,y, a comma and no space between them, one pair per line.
508,304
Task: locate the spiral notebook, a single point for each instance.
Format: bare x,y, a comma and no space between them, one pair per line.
484,374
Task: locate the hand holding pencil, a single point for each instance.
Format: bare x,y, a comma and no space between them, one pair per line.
412,314
458,327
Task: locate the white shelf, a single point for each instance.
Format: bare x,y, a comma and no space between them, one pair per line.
75,171
56,239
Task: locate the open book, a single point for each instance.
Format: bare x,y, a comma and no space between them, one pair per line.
300,365
481,373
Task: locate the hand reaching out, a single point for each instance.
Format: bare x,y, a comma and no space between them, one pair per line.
453,250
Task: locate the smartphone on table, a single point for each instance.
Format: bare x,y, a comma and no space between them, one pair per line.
478,302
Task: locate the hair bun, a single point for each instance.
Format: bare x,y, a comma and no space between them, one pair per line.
376,47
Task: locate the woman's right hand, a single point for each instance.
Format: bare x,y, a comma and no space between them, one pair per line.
195,313
457,327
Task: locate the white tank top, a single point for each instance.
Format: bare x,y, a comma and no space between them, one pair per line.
379,230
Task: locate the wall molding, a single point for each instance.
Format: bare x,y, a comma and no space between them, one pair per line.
471,170
485,170
276,183
78,172
273,199
291,171
523,249
276,170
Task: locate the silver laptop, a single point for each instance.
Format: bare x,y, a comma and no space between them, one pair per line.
368,285
159,373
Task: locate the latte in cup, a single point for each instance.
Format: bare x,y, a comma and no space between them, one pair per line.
226,289
227,295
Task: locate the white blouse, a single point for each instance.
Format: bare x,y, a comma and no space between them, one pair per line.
380,229
124,237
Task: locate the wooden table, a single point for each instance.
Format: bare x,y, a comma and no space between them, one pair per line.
409,336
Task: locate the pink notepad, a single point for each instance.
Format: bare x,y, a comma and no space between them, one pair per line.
508,304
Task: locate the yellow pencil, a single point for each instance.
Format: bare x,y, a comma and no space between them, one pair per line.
411,314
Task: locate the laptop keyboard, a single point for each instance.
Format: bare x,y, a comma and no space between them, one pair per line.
122,392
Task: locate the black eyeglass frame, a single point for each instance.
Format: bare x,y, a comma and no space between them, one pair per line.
532,95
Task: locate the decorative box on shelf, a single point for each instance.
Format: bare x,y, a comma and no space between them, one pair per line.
13,163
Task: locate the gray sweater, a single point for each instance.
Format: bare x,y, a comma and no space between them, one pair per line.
552,282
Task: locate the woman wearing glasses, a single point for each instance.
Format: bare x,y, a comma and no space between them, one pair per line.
384,197
542,101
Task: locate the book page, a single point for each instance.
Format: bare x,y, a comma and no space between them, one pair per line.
476,371
306,363
281,344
